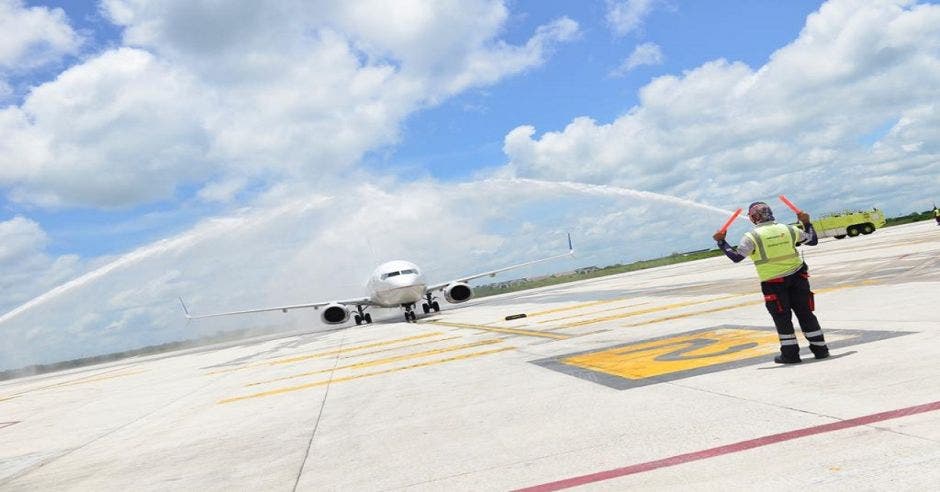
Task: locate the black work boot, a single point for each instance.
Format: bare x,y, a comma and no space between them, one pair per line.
780,359
820,352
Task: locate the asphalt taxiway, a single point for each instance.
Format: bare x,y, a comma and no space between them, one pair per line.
657,379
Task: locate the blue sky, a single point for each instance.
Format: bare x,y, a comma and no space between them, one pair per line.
453,140
273,145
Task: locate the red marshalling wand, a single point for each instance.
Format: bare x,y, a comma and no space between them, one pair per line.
725,227
790,204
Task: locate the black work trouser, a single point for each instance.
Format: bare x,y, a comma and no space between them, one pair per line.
792,293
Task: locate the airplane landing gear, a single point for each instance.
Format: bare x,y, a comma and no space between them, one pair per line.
410,316
362,317
431,304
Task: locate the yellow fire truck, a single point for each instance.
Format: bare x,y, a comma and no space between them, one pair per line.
839,225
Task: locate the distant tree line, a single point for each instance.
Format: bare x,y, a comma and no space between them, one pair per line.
148,350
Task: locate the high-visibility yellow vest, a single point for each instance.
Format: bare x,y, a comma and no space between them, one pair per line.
775,252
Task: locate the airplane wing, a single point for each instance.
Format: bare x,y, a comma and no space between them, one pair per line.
365,301
492,273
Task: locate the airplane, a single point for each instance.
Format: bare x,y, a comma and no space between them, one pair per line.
396,283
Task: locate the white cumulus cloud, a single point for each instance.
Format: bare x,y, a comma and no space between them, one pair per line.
256,92
33,36
27,269
643,54
797,124
626,16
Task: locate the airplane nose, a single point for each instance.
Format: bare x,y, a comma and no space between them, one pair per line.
401,281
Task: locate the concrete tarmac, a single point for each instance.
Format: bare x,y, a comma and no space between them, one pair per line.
657,379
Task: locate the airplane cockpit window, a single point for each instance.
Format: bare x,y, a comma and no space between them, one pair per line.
391,274
409,271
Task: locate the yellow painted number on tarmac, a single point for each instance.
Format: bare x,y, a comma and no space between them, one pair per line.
681,353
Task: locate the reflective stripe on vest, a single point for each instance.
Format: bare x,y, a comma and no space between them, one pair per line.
774,250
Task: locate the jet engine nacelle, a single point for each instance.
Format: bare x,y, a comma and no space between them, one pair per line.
334,314
458,292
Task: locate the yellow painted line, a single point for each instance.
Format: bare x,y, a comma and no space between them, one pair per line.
83,380
290,360
696,313
581,315
407,345
740,305
386,360
580,306
102,378
360,376
512,331
639,312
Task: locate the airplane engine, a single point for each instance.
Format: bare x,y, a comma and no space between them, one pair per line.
334,314
458,292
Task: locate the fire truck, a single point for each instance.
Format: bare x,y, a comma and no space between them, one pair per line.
849,223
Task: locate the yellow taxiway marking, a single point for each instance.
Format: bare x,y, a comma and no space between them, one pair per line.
681,353
364,375
512,331
86,379
407,345
386,360
343,350
639,312
291,360
581,315
740,305
582,305
102,378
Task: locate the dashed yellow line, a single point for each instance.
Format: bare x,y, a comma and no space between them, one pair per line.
696,313
407,345
290,360
639,312
581,315
580,306
360,376
386,360
86,379
739,305
511,331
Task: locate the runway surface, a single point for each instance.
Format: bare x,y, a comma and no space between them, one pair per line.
658,379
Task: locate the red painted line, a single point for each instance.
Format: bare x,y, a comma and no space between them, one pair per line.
732,448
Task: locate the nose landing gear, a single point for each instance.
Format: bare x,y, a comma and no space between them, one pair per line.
410,316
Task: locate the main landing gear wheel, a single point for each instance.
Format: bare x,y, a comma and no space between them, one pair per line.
430,305
410,316
362,317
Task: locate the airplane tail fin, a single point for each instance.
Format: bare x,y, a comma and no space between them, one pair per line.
189,317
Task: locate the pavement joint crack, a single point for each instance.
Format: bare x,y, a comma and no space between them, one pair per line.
316,424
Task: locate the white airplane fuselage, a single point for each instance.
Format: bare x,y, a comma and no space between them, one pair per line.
397,283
